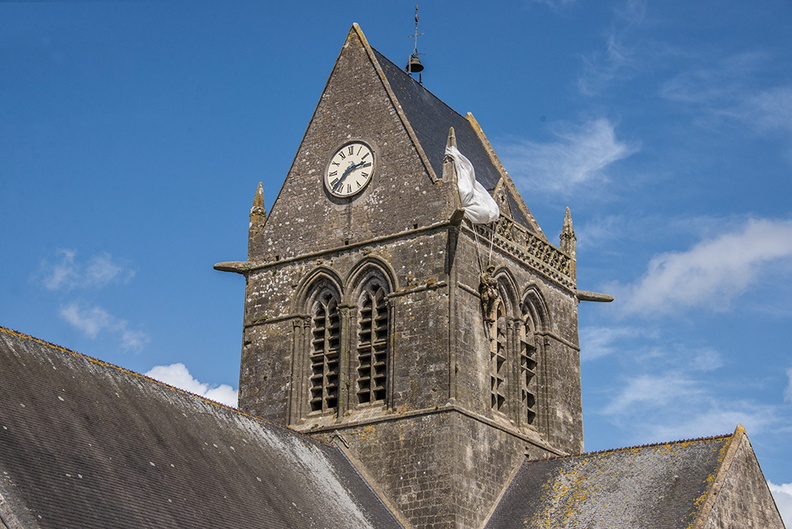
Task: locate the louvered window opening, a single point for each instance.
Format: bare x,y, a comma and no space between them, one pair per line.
373,345
325,348
528,371
498,360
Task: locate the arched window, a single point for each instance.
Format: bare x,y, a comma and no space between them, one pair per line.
498,367
528,359
325,351
373,342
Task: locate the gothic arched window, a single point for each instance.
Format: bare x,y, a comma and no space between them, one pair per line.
498,366
528,358
373,343
325,351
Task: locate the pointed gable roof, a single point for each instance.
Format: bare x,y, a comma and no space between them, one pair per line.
368,98
430,119
671,485
87,444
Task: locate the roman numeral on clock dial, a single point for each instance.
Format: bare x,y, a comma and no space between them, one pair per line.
349,170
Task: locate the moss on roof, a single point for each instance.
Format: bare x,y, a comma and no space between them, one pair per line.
659,485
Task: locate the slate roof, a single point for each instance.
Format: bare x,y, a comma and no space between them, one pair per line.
660,486
84,444
431,118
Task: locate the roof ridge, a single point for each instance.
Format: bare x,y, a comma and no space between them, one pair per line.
61,349
103,363
622,449
420,85
704,504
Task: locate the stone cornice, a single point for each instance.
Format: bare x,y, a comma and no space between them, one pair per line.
540,255
450,407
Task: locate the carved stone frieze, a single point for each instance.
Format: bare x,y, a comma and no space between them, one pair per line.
513,238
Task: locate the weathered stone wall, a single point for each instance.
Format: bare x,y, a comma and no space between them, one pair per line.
274,355
401,195
559,407
434,446
442,468
742,497
438,362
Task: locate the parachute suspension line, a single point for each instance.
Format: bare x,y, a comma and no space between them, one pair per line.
491,228
478,255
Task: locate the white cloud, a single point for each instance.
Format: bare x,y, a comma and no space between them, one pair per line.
67,273
601,230
679,393
179,376
652,391
94,320
577,159
705,360
730,90
709,275
783,497
619,59
704,418
90,321
598,342
603,67
770,110
776,107
788,391
675,404
717,86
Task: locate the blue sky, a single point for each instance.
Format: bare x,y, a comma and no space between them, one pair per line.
133,134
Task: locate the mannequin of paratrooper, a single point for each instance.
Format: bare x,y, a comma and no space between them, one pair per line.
488,290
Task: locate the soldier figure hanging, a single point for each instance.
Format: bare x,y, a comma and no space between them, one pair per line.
488,290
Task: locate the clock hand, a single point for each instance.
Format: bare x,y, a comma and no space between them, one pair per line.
349,170
343,176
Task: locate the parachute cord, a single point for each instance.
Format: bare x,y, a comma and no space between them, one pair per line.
492,241
478,255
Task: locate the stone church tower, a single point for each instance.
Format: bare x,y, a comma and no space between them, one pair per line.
363,320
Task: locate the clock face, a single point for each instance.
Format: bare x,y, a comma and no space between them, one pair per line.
350,169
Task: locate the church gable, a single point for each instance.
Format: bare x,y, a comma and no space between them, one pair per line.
739,495
703,483
359,173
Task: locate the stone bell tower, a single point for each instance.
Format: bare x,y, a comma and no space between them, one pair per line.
363,319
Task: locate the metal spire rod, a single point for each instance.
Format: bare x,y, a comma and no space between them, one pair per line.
415,47
414,64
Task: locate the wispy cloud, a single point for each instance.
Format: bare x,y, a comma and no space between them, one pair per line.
650,391
577,160
700,417
618,58
773,108
599,231
94,320
675,390
709,275
718,84
770,112
788,391
734,88
599,342
783,497
678,403
179,376
66,272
